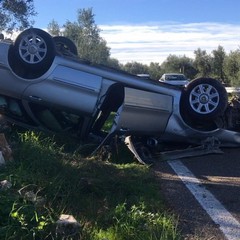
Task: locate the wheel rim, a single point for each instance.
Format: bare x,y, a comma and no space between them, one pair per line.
32,49
204,98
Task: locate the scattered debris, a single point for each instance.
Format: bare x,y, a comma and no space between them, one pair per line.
31,194
2,160
5,148
67,226
5,184
28,188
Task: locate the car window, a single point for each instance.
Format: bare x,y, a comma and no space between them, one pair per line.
57,120
175,77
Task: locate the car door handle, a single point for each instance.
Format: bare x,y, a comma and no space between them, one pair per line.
35,98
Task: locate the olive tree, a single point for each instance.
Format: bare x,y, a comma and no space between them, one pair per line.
218,63
181,64
135,68
54,28
86,34
232,68
202,63
16,14
155,70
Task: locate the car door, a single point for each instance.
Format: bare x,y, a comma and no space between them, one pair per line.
144,112
66,95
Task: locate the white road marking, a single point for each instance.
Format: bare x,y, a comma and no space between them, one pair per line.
217,212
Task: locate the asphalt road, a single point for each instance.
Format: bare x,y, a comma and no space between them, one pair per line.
204,192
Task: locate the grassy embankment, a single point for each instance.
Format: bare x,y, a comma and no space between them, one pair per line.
117,199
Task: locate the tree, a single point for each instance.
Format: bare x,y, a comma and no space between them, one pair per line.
232,68
114,63
218,62
86,34
180,64
202,63
171,64
53,28
135,68
15,14
155,70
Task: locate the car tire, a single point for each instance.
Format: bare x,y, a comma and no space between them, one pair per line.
34,50
65,44
204,99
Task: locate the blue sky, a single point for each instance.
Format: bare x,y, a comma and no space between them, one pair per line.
149,30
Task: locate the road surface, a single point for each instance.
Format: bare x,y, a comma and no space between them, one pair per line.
204,192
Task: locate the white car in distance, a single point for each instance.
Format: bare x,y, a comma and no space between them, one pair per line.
176,79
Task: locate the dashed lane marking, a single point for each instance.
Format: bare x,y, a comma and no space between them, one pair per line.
217,212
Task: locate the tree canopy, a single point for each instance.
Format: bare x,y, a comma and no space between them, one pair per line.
16,14
86,35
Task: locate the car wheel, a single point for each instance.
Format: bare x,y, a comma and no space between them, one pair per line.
65,44
35,49
204,99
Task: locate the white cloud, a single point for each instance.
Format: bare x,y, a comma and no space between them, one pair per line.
153,43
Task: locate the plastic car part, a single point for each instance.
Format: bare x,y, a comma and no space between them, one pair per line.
204,99
141,152
65,45
210,145
34,49
144,154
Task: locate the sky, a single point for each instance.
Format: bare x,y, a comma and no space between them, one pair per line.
150,30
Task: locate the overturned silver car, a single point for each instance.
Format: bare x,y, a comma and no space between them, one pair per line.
44,85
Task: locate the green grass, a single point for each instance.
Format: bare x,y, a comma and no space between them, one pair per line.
118,200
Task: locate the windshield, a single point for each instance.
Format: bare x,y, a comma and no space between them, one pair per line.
175,77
